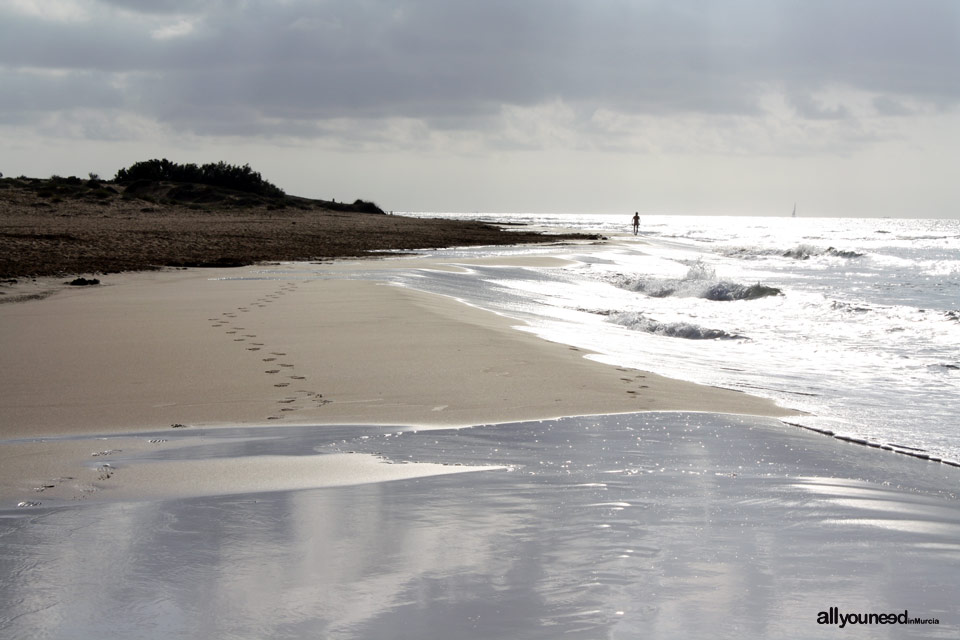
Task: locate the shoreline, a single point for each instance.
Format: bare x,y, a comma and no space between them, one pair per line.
213,348
320,519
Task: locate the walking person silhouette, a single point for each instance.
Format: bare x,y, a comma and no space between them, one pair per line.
636,223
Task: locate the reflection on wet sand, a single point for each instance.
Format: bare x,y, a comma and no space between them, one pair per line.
665,525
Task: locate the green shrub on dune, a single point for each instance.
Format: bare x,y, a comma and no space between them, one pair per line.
219,174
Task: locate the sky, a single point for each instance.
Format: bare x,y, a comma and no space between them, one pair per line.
844,107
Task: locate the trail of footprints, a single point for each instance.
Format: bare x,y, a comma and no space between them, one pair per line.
277,369
631,381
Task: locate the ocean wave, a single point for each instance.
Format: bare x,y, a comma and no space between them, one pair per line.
806,251
639,322
799,252
700,282
849,307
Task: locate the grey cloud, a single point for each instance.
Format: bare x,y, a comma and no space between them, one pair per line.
886,46
448,61
32,94
812,109
887,106
156,6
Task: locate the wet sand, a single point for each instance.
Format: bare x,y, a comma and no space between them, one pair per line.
639,525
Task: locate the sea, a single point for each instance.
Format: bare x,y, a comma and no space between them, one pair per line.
853,321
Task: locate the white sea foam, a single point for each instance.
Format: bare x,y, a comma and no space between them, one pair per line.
854,320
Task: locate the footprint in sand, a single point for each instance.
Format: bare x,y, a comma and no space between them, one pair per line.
253,348
272,371
269,359
282,384
277,353
285,365
239,339
298,377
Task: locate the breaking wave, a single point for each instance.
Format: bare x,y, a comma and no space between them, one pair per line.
700,282
639,322
849,307
799,252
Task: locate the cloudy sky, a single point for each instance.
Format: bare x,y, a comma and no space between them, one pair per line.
847,107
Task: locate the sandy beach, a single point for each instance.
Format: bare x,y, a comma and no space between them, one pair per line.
401,460
229,347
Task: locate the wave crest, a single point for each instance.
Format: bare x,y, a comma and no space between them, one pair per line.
639,322
799,252
699,282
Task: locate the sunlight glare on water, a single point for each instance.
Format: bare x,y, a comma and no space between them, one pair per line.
864,334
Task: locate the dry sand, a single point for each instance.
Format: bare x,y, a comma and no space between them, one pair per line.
228,347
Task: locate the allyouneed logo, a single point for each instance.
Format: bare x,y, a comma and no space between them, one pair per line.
833,616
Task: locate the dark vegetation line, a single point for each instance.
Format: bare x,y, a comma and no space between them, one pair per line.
215,184
218,174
